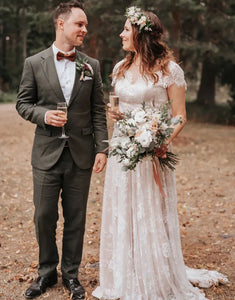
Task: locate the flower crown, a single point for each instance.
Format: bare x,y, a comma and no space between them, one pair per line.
136,17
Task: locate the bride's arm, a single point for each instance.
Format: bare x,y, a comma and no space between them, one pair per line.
177,95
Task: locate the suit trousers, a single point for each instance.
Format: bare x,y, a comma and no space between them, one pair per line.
73,183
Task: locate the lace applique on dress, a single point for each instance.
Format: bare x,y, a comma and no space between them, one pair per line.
176,76
115,69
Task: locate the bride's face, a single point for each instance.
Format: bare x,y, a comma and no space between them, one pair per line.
127,37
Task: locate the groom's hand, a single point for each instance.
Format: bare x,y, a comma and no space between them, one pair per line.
55,118
100,162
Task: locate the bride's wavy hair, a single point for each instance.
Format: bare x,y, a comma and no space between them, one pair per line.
152,50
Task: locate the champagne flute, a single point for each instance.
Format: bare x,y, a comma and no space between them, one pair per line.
114,101
62,106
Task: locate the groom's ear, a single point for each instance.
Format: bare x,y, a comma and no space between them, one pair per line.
60,24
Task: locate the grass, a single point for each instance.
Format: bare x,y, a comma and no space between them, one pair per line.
7,97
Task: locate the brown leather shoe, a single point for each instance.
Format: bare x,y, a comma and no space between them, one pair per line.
76,291
39,287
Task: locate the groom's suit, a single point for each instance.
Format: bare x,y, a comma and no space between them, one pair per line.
58,164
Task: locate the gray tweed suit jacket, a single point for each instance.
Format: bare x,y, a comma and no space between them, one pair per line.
40,91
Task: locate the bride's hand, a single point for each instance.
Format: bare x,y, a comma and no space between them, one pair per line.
161,151
114,115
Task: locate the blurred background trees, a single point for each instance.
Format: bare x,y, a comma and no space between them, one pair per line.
201,33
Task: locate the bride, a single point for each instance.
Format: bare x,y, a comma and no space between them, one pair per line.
140,252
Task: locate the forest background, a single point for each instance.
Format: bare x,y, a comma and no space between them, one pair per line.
201,34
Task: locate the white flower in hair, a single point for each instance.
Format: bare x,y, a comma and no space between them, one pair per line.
132,10
142,21
137,17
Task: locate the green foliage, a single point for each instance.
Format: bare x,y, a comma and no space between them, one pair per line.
26,27
7,97
41,32
220,113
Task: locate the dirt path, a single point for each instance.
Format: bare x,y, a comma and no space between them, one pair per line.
205,184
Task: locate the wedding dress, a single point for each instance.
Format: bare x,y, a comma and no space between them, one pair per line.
140,252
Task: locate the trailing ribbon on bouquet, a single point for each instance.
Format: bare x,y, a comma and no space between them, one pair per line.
157,177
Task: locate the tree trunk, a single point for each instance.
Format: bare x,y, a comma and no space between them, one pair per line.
206,92
24,42
24,35
175,31
3,52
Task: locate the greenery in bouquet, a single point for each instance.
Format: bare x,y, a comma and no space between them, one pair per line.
140,133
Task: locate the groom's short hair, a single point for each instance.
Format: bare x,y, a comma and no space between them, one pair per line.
65,9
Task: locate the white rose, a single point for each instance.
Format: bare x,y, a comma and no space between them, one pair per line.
140,116
145,139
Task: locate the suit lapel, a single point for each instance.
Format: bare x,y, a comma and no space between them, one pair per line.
77,83
49,69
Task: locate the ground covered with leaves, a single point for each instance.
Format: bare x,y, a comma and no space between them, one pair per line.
205,185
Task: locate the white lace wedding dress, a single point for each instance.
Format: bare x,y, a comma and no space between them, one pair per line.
140,251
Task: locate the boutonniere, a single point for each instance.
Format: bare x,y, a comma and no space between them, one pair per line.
84,68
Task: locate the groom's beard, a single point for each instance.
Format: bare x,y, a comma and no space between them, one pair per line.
77,40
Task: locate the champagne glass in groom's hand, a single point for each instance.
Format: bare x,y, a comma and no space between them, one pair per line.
62,107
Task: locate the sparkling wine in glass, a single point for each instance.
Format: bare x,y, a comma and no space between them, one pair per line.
62,106
114,101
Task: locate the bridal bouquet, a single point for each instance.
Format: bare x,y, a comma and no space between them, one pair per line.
140,133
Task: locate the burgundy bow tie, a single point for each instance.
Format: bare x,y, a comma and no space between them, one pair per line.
70,56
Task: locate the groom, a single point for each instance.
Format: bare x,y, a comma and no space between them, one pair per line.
49,77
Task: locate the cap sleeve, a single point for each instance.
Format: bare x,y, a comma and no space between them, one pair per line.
115,70
176,75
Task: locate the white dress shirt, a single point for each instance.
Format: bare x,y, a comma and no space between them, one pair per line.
66,71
